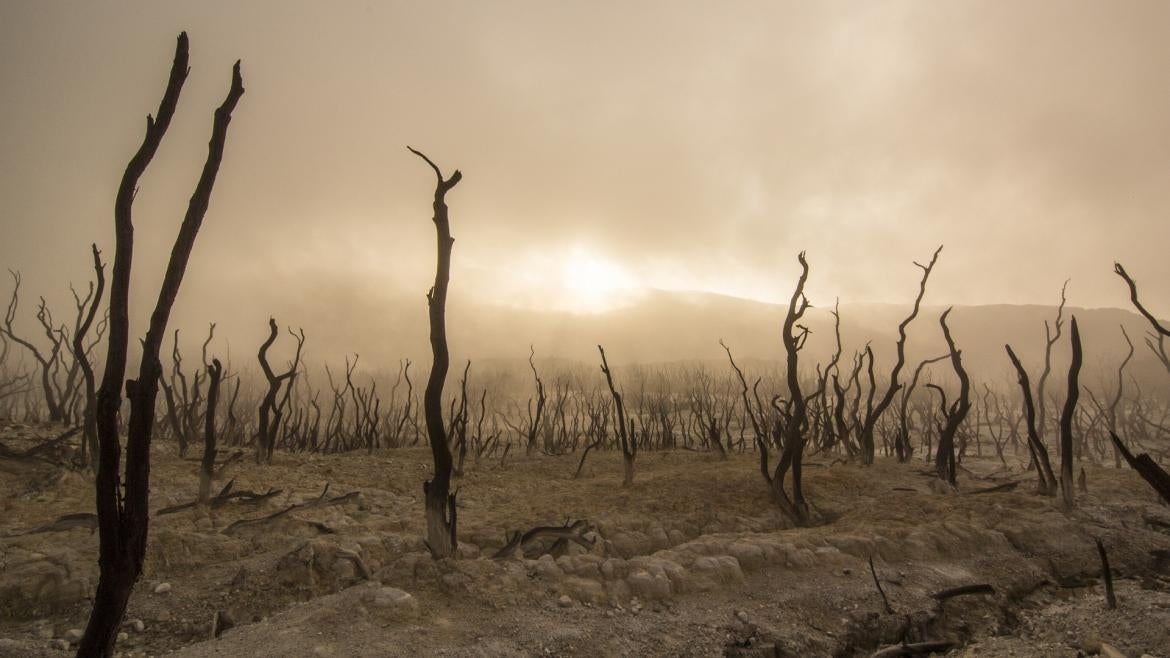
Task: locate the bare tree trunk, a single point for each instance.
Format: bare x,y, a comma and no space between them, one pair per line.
207,466
792,453
123,519
629,443
1035,444
873,413
945,456
440,502
1066,418
89,427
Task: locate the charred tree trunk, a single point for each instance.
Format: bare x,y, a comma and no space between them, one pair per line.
955,414
628,444
1066,418
1035,444
207,466
440,502
874,412
792,452
88,423
123,518
270,413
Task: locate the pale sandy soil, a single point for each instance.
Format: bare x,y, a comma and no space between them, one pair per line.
693,560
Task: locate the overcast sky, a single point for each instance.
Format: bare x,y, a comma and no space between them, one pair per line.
665,144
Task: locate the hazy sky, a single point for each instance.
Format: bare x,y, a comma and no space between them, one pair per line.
604,144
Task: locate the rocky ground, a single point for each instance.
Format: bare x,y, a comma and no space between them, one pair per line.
693,560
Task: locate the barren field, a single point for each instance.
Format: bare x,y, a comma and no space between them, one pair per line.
692,560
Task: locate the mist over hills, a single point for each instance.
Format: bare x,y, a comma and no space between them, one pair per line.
667,326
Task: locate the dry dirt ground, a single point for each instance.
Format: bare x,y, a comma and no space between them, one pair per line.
693,560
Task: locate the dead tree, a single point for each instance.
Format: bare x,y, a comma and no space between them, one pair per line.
795,415
1036,446
1050,339
534,419
1111,411
1160,331
89,428
269,413
47,362
1154,475
944,458
440,502
207,466
873,413
903,450
123,515
628,445
1066,418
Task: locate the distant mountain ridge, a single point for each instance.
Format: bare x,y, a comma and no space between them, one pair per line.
666,326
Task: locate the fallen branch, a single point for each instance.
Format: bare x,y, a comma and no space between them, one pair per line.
981,588
1007,486
225,496
917,649
877,583
319,501
63,523
36,451
574,532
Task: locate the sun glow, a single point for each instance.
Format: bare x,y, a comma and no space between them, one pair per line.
592,283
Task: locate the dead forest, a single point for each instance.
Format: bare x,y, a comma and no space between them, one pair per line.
521,473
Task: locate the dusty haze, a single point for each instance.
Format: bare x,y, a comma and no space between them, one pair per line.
606,147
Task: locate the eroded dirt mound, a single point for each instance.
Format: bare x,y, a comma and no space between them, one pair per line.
691,560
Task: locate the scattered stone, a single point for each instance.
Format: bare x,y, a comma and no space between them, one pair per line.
162,588
1110,651
123,636
136,625
73,635
392,602
565,601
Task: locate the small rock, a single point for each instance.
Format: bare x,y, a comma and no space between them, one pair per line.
1110,651
742,616
565,601
136,625
123,636
73,635
392,602
162,588
846,572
